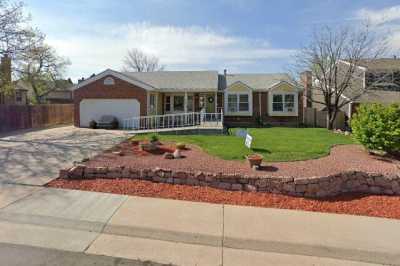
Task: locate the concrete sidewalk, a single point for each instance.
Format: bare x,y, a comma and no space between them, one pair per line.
189,233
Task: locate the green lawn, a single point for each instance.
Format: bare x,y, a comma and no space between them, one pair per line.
275,144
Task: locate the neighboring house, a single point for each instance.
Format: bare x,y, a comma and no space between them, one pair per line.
18,96
61,94
374,81
244,99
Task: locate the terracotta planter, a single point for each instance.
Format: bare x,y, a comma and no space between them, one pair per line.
255,159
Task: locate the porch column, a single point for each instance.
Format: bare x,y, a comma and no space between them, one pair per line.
185,102
216,102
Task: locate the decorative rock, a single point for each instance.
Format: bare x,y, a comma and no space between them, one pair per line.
77,171
236,187
63,173
192,181
119,153
249,188
200,176
301,188
290,187
168,156
134,174
260,183
223,185
126,172
375,190
177,154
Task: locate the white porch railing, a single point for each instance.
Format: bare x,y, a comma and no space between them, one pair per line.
194,119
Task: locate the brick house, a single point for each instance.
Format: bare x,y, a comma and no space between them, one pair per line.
244,99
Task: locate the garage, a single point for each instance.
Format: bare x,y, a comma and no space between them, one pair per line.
94,109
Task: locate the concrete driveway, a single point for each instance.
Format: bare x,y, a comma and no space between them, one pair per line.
36,157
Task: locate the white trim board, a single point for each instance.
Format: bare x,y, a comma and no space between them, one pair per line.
110,72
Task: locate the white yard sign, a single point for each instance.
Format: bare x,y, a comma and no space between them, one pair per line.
248,141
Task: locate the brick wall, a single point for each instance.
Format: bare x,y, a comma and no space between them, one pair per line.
120,90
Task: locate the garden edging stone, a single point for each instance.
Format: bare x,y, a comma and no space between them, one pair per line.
313,187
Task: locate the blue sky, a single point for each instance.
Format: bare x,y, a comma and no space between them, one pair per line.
240,35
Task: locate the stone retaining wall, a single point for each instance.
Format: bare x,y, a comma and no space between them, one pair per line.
315,187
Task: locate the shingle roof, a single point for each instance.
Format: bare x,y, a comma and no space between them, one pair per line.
380,64
257,81
178,80
379,96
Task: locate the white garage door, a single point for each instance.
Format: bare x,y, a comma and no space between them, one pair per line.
93,109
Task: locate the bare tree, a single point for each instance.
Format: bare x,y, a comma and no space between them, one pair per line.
16,36
138,61
41,67
333,56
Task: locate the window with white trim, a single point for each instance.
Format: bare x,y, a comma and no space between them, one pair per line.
232,103
283,103
238,103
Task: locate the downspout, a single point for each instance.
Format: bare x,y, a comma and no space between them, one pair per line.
259,104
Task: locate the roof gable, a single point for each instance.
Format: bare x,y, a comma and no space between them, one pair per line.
258,81
110,72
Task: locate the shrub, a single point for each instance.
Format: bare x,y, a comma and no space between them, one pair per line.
153,138
377,127
93,124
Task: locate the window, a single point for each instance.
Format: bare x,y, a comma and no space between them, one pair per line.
18,96
243,102
238,103
232,103
179,102
289,103
108,81
277,103
167,103
283,103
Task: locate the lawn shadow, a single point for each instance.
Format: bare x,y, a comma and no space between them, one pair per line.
268,168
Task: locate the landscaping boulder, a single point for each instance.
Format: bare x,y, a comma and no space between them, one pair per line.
177,154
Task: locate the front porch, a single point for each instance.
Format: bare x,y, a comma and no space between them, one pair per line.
165,103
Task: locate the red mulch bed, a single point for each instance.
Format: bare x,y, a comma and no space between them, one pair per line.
342,158
357,204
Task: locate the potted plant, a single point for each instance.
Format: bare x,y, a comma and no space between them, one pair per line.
255,159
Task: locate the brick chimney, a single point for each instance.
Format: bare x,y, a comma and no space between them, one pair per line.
5,69
306,81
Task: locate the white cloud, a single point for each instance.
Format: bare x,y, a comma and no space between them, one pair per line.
385,21
380,16
94,48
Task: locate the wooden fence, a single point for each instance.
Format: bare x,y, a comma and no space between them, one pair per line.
15,117
314,118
